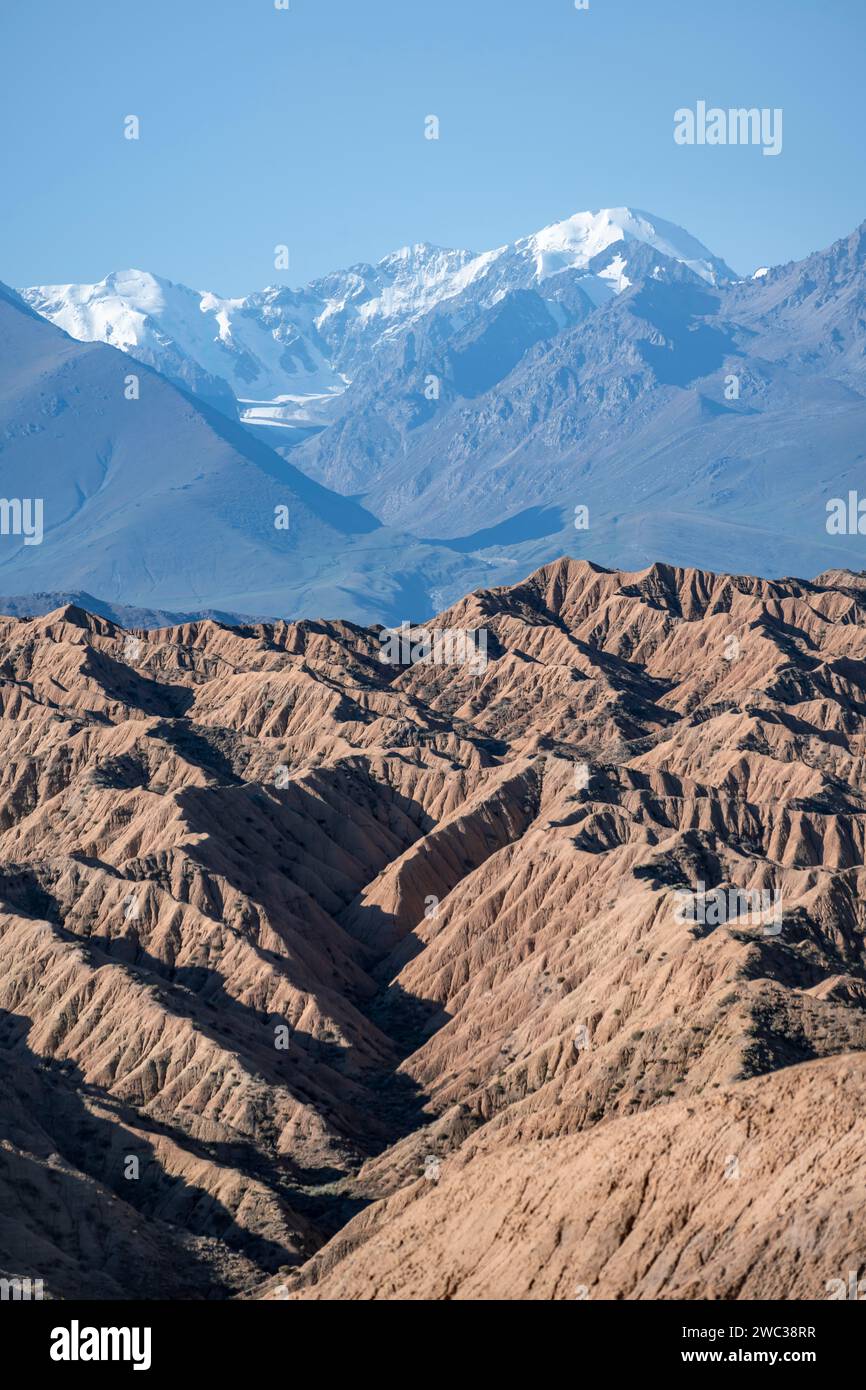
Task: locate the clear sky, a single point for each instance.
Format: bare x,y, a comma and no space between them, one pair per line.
262,127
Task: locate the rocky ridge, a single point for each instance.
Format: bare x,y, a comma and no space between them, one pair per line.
322,977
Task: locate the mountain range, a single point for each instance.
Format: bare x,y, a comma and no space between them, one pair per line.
285,356
162,504
323,977
607,387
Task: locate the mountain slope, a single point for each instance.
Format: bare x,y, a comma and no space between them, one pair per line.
286,355
215,347
605,365
162,502
537,1037
693,421
639,1212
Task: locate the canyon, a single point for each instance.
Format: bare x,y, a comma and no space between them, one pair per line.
379,973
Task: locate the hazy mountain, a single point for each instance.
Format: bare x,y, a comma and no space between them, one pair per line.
162,503
285,355
695,421
609,363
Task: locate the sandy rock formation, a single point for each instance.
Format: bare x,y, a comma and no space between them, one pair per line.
436,981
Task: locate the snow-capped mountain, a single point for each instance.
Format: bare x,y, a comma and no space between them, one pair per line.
162,503
225,350
285,356
696,419
579,242
701,423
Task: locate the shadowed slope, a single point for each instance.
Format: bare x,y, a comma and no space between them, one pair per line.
457,897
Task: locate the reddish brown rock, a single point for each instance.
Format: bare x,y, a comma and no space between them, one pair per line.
459,898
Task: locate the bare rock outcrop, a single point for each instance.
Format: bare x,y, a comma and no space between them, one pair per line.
322,976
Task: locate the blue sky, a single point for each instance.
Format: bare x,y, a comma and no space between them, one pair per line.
306,127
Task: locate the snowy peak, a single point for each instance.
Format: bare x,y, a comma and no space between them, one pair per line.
422,258
413,280
111,311
282,357
577,241
220,348
417,278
